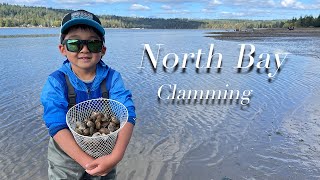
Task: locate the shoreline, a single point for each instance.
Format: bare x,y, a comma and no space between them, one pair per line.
249,34
252,34
28,35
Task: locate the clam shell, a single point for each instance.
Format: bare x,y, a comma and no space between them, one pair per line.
115,120
100,116
112,127
98,125
90,124
86,120
86,132
98,119
96,134
79,131
81,126
91,130
105,119
104,124
104,131
78,124
94,115
106,116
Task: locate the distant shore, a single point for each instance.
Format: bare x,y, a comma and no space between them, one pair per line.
28,35
251,34
34,27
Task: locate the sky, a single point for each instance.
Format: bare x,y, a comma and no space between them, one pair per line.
191,9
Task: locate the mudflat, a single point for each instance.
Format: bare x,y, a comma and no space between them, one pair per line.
263,33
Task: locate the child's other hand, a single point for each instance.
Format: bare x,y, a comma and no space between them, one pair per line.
102,166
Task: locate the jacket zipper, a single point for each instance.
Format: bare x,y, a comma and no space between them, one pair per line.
88,92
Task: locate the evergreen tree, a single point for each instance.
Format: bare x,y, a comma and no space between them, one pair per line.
15,15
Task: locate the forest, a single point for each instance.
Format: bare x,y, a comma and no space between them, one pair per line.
29,16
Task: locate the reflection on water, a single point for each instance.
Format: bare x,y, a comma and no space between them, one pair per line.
276,136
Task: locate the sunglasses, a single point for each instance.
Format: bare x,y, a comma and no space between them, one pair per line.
76,45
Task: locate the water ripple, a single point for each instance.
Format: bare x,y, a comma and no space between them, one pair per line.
275,137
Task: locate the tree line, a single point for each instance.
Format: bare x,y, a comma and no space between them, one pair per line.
306,21
28,16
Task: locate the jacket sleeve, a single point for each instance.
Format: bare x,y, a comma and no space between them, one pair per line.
119,93
55,106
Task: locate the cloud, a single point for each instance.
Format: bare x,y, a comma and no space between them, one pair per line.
293,4
271,3
139,7
232,14
23,2
177,1
176,11
26,1
251,3
205,10
215,2
287,3
166,7
110,1
81,2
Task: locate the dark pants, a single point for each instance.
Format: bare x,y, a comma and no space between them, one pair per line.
61,166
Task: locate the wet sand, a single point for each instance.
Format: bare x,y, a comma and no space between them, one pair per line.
251,34
277,137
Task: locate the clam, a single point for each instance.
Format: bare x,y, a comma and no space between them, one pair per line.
104,131
112,127
96,134
115,120
91,130
106,118
99,119
90,124
94,114
79,131
86,120
104,124
80,125
100,116
98,124
86,132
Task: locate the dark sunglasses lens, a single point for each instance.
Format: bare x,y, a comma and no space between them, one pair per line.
94,46
73,45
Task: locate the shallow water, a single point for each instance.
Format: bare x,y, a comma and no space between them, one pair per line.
276,136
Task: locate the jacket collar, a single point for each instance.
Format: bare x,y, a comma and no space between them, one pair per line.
101,73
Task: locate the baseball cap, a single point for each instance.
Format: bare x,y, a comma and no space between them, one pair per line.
81,17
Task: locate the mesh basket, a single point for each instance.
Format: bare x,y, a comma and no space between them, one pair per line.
100,145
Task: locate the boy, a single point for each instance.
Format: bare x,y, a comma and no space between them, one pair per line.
82,42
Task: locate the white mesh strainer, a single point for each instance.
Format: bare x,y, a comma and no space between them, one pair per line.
100,145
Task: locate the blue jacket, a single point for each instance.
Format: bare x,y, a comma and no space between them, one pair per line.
54,96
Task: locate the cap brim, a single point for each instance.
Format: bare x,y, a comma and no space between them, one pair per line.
83,21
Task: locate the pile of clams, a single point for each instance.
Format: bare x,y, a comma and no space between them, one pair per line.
97,124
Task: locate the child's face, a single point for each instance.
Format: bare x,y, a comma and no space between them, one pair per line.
83,61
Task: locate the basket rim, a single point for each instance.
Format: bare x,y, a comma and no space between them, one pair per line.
102,136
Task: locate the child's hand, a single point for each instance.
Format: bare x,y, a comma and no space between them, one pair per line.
101,166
